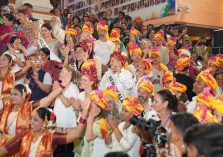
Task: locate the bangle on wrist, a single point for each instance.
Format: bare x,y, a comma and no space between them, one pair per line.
26,58
61,86
82,121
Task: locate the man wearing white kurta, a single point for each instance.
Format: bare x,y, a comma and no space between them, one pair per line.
103,47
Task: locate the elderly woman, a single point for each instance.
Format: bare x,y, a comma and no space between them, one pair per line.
121,136
118,76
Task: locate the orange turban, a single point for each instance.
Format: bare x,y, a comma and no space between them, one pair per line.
88,27
89,68
178,86
148,65
115,35
102,25
112,91
159,34
71,31
134,31
135,49
145,83
168,76
97,97
208,79
132,105
156,51
215,61
182,63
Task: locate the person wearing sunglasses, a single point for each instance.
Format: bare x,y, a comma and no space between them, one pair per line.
38,80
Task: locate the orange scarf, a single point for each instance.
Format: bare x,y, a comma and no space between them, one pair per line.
103,127
44,148
7,85
22,121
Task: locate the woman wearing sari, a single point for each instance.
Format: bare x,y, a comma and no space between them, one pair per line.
40,141
6,31
15,118
52,43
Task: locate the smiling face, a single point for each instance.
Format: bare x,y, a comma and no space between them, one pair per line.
110,104
158,103
136,57
4,62
45,32
36,122
85,82
143,95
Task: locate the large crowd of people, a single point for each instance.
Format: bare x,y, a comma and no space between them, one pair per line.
102,86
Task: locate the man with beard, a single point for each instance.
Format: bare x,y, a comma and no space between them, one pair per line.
103,47
145,91
58,32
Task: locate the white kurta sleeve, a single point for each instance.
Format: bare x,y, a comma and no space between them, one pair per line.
126,80
104,81
128,140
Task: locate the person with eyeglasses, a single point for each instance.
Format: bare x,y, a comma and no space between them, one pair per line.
38,80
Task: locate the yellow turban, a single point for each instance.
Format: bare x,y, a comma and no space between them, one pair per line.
112,91
88,27
145,83
115,35
172,41
178,87
71,31
208,79
135,49
168,76
156,51
215,61
134,31
132,105
183,52
163,67
182,63
97,97
102,25
159,34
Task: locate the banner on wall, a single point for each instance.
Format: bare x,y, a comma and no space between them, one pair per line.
147,9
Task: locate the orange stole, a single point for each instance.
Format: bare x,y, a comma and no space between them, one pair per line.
103,127
22,121
44,148
7,85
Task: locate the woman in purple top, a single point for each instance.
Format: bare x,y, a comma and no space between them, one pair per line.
6,31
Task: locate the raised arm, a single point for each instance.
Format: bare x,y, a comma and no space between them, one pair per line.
77,132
